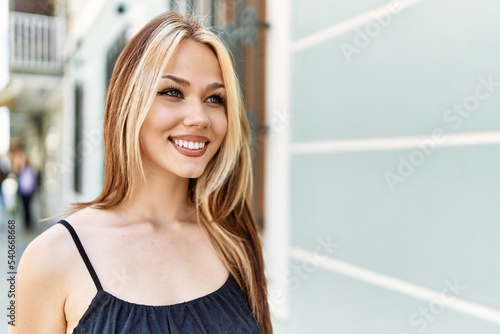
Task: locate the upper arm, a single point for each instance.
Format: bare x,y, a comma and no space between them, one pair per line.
40,290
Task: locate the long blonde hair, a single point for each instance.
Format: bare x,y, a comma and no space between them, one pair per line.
221,194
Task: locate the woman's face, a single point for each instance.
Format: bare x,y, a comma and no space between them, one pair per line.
187,121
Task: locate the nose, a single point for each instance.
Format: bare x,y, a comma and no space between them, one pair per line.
196,116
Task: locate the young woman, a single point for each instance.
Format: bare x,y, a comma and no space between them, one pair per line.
170,245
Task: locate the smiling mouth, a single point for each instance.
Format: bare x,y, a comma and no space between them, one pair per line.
190,145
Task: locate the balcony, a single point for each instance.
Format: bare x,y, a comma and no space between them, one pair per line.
36,43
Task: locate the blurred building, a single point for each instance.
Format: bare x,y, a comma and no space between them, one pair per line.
376,145
33,94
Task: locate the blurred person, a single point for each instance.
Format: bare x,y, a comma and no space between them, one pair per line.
27,181
17,157
4,173
170,245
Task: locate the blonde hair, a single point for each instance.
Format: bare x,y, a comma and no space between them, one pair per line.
222,192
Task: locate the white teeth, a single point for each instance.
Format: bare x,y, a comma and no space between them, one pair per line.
189,144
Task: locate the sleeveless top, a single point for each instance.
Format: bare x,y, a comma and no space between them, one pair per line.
225,310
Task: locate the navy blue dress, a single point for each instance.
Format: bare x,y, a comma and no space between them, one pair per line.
225,310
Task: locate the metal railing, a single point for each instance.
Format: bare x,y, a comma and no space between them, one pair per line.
36,43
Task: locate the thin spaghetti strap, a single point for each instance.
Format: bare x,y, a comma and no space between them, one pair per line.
82,254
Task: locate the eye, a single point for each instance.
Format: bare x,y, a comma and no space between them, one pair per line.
216,99
173,92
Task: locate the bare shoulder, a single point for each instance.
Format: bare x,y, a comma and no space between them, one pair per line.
48,260
41,282
47,253
54,249
91,219
47,275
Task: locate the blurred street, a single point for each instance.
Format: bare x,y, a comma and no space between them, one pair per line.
22,238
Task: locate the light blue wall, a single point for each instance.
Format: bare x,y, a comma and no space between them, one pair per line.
310,16
441,223
429,57
328,303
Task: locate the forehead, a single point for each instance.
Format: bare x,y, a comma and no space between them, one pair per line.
194,61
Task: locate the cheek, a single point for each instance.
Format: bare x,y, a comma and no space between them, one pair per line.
157,124
220,126
162,115
146,130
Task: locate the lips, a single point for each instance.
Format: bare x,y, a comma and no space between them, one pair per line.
190,145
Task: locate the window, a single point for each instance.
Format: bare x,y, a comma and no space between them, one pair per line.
78,156
113,53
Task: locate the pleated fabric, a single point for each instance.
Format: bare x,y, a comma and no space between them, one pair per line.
224,311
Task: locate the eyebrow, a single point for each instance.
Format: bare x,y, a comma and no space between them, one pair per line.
184,82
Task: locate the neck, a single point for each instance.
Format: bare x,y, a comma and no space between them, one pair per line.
160,199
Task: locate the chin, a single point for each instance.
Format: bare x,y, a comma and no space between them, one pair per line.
191,174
